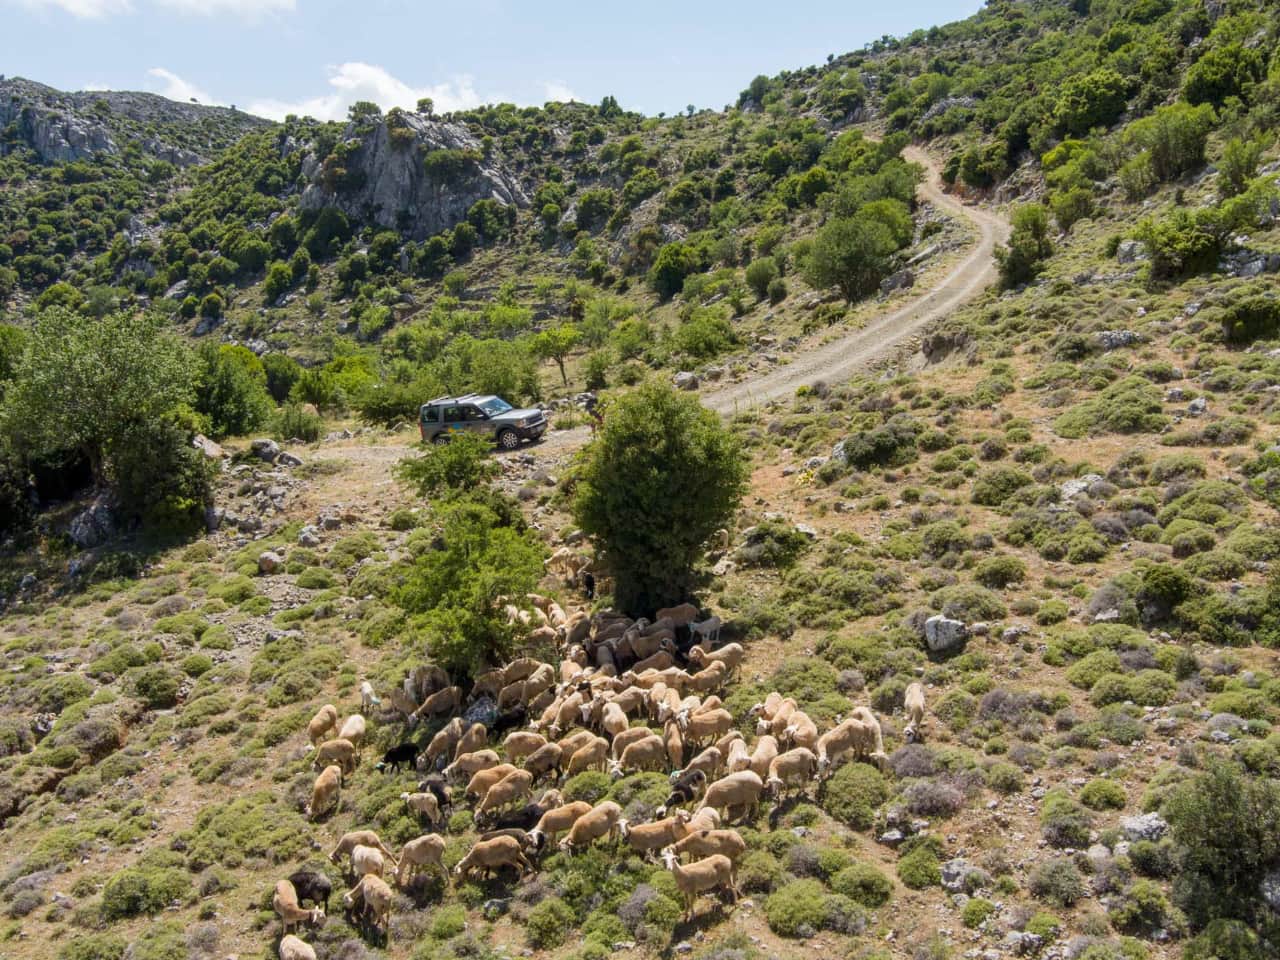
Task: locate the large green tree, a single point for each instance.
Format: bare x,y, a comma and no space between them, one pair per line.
851,254
86,386
662,477
1029,245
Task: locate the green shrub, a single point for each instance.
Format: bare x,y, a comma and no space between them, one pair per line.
1004,777
919,868
863,883
1044,925
1131,405
1103,794
976,912
1063,822
447,922
968,603
157,687
1144,909
999,572
316,578
760,872
993,487
797,910
853,794
1086,672
97,946
1057,881
134,891
1221,940
590,785
548,924
891,444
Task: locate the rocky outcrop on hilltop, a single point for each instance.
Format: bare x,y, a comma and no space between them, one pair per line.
62,127
408,173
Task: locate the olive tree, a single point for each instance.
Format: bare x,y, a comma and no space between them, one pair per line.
661,478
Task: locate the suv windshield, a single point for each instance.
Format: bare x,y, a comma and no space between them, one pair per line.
494,407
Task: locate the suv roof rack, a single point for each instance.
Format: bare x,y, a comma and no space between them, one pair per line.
438,400
469,396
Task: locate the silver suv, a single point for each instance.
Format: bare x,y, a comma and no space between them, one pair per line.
477,413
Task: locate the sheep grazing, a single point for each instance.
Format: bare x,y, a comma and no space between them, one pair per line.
434,784
559,819
626,738
913,700
402,702
474,738
777,724
371,899
730,654
521,743
705,843
528,816
444,741
482,780
322,723
491,855
712,678
766,709
365,860
739,757
545,761
648,753
424,805
341,752
796,767
708,631
404,754
704,818
312,885
467,765
368,700
425,680
736,791
593,756
680,616
356,838
711,873
765,751
645,838
326,792
510,790
353,729
291,948
600,821
427,851
438,704
801,731
285,903
707,724
709,761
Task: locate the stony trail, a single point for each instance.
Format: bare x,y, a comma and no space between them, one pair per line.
841,358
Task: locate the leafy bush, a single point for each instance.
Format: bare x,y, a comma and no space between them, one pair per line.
967,602
295,420
1144,909
548,924
976,912
1057,881
853,794
918,868
142,890
1103,794
1000,572
1131,405
1063,822
797,910
993,487
893,443
863,883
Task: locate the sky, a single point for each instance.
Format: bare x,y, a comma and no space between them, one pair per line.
317,57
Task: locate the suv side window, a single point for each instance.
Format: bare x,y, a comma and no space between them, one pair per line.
452,414
472,413
431,415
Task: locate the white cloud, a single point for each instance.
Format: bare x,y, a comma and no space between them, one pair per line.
354,81
246,9
558,92
83,9
175,88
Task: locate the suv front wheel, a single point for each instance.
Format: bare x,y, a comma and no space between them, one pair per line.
508,440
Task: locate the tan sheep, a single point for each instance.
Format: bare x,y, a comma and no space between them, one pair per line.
402,702
913,701
488,684
777,724
710,761
366,860
705,818
600,821
326,793
715,872
419,854
730,655
593,756
480,783
491,855
285,903
545,761
438,704
370,896
519,669
467,765
801,731
445,741
521,743
796,767
576,741
353,730
325,720
341,752
645,838
712,678
628,737
707,724
762,756
735,791
510,790
739,757
355,838
291,948
474,738
648,754
424,805
680,616
560,819
704,843
613,720
853,738
673,737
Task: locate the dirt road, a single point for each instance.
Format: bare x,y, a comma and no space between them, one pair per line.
842,358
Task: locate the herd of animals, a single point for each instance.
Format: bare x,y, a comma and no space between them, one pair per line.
628,696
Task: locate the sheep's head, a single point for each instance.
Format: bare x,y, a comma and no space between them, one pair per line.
317,918
615,769
773,786
762,727
824,768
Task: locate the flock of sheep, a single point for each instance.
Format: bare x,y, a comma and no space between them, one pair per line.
617,677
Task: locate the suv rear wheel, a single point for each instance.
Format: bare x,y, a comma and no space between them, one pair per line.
508,440
440,439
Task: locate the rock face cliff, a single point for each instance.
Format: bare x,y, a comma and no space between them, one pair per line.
384,173
61,127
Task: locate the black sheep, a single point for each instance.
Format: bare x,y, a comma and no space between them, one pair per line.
435,783
526,818
406,754
509,719
312,885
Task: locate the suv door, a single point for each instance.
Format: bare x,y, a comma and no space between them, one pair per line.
475,421
451,420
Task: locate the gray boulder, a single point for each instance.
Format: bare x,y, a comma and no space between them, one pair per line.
265,449
93,525
1078,487
1198,407
269,562
954,874
287,459
685,380
902,280
942,634
1131,251
399,190
1115,339
1145,826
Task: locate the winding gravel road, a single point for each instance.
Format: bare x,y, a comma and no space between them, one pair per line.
841,358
